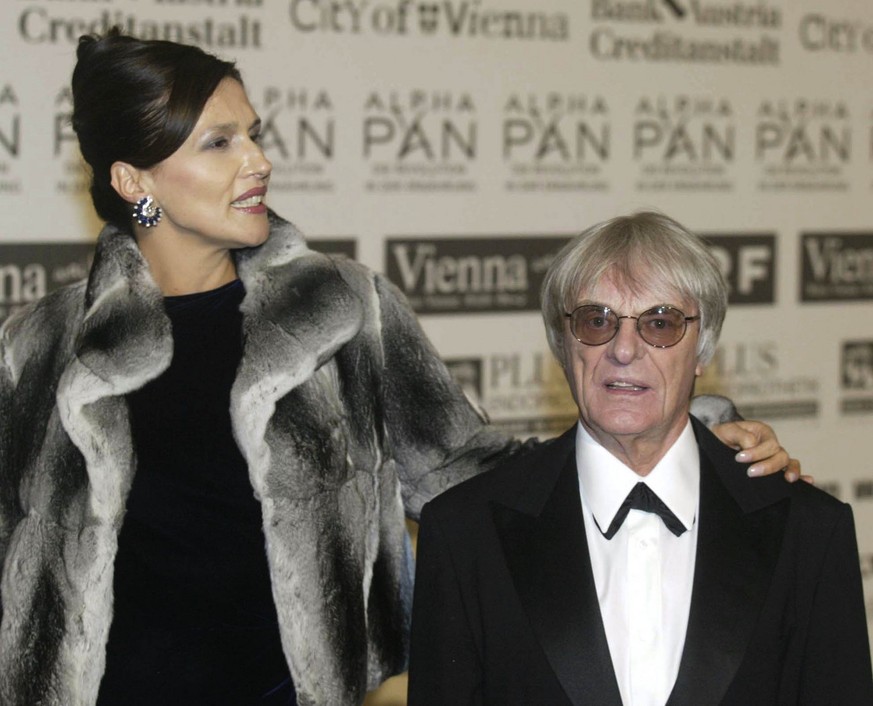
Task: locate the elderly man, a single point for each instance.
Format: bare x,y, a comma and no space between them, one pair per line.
632,560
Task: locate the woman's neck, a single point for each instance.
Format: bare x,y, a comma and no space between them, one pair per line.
179,270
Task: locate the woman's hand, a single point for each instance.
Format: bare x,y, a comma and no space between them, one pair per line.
758,445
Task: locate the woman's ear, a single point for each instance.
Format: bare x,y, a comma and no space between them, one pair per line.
127,181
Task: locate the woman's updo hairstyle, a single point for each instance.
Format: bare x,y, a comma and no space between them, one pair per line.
136,101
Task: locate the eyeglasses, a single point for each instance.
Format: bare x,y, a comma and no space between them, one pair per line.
661,326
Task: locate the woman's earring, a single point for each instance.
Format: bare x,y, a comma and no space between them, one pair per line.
146,213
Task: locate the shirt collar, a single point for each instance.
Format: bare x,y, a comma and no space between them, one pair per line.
605,481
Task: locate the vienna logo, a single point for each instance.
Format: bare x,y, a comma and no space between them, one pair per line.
451,18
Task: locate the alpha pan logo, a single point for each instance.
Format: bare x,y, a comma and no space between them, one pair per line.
471,19
856,377
686,31
29,271
684,143
420,141
803,144
523,394
836,266
556,142
69,171
298,134
748,264
471,274
10,139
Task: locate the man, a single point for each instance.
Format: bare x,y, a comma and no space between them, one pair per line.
539,583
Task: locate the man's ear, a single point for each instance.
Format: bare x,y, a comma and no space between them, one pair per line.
127,181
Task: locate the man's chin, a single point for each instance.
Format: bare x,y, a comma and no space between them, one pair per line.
625,429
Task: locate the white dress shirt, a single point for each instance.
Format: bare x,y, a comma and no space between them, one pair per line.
644,574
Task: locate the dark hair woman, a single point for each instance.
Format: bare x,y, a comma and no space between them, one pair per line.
207,449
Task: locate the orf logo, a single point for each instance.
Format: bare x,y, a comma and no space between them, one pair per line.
747,263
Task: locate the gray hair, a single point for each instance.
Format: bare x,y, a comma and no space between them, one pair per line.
643,251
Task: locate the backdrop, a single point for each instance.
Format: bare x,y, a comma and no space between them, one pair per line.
456,144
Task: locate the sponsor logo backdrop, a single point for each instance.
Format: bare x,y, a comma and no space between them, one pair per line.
455,145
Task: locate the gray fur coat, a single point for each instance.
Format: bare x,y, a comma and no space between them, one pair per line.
344,413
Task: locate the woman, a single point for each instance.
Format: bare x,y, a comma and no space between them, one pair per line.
267,396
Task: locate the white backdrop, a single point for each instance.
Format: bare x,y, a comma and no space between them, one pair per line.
454,144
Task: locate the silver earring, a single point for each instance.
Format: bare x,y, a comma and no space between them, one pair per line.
146,213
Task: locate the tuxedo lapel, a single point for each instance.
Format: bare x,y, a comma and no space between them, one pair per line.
736,555
543,540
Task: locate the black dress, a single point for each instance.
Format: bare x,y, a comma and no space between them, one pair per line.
194,619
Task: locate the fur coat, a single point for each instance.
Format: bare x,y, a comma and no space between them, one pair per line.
346,418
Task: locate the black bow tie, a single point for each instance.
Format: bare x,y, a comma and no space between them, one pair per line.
642,497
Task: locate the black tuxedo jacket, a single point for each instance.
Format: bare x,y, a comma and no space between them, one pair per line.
506,611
